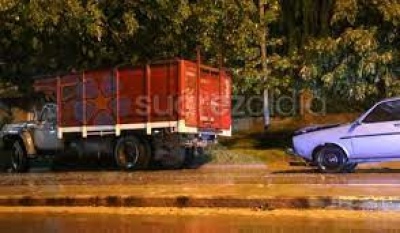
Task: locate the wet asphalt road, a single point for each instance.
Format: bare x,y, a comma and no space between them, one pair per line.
381,174
46,223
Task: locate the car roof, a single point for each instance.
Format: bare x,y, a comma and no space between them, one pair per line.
389,100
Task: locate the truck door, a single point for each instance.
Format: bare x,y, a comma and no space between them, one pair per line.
45,134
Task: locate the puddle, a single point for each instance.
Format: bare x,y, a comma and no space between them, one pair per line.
46,223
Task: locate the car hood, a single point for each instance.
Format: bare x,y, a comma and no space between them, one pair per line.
315,128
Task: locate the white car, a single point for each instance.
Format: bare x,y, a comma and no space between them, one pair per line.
374,137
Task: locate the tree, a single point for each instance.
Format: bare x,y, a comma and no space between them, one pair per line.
275,45
41,37
359,58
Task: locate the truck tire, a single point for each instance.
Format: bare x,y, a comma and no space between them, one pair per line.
19,158
131,154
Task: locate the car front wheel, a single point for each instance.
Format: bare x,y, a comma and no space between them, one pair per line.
331,159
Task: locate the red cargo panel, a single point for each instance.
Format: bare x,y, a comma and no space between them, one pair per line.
209,100
99,95
189,93
164,92
69,105
132,93
225,102
212,93
48,85
174,93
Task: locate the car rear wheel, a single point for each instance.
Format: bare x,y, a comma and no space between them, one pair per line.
19,158
331,159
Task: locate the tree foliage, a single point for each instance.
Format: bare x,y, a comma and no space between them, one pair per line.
360,57
348,47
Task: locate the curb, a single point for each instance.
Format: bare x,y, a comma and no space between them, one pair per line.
267,203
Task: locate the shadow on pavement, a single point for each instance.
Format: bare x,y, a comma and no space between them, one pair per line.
261,140
296,171
378,170
86,164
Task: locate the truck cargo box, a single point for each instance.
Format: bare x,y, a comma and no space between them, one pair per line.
178,94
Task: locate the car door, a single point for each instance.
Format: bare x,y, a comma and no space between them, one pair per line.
378,134
45,134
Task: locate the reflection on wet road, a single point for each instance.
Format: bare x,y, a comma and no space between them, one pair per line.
216,175
46,223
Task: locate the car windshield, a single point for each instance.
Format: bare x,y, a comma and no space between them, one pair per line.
387,111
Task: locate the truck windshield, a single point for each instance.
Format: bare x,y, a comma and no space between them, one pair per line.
49,114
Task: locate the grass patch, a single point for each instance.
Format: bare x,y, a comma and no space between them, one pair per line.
254,147
267,156
218,154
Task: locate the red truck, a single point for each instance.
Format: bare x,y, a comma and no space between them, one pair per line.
138,114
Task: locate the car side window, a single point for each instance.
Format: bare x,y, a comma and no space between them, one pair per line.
387,111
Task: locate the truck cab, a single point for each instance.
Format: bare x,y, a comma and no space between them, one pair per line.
27,140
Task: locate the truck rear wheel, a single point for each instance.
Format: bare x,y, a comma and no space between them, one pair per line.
131,153
19,158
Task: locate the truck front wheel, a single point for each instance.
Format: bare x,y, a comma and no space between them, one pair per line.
19,159
131,154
